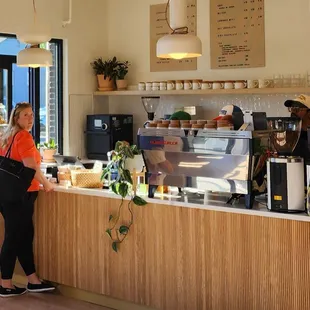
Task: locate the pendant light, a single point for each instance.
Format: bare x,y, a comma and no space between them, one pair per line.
179,44
33,55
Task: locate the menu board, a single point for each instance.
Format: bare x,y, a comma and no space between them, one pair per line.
237,34
159,28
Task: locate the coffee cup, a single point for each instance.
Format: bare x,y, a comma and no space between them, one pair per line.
217,85
206,85
179,85
155,86
148,85
264,83
240,84
141,86
163,85
252,83
170,85
187,84
196,84
229,85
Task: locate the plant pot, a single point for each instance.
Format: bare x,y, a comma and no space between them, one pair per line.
134,163
48,155
105,84
121,84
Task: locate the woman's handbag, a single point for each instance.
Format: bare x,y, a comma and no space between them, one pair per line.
15,178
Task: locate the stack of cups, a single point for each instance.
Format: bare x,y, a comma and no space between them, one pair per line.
186,126
210,125
224,125
174,124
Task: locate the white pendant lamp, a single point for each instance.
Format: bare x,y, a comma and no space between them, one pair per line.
33,55
179,44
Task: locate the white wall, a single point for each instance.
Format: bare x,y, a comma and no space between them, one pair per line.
287,32
287,26
121,27
84,39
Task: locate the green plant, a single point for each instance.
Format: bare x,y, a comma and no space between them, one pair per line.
50,145
122,70
107,68
121,184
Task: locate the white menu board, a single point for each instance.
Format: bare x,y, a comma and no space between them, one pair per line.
159,28
237,34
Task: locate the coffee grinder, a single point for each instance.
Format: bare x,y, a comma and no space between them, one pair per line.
285,173
150,105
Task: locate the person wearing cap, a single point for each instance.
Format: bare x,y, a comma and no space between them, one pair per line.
227,112
300,108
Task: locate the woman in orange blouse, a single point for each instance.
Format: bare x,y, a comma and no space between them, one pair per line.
18,222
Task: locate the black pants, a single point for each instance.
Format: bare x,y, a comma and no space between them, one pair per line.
18,238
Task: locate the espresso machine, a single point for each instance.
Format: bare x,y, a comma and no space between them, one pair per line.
206,160
285,173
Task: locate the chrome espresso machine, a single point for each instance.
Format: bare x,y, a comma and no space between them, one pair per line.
207,160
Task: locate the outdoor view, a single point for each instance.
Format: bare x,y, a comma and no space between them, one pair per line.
20,90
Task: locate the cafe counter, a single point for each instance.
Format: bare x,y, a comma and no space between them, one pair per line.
178,254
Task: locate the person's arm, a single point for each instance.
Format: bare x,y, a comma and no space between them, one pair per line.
39,176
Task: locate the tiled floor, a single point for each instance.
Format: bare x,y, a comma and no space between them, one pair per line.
45,302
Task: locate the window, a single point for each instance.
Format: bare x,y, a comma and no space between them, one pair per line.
42,87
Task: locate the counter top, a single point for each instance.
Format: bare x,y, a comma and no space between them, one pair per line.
196,201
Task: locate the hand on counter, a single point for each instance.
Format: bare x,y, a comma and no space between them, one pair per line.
49,187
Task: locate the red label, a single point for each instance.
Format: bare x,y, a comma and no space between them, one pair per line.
163,142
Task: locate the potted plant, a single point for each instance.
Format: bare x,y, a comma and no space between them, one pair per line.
106,71
48,150
122,184
122,71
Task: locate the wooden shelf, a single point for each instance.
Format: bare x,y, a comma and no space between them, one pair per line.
245,91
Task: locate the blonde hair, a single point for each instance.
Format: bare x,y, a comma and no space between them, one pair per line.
13,126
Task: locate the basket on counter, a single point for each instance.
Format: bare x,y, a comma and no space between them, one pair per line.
86,178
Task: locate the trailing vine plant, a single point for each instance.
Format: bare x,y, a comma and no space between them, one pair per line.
121,183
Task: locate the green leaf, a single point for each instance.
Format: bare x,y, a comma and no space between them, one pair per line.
139,201
123,189
123,230
114,246
127,176
108,231
115,188
135,150
128,152
118,146
104,174
110,217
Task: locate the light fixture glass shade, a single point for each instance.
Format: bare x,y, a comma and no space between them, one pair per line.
178,46
34,57
33,38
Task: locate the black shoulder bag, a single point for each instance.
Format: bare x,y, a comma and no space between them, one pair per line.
15,178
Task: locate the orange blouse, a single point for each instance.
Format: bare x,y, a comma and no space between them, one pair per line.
24,147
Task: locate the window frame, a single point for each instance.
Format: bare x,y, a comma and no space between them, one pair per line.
34,93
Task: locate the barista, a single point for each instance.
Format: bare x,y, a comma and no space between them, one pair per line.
300,107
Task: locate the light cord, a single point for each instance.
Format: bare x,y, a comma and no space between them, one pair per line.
181,30
34,10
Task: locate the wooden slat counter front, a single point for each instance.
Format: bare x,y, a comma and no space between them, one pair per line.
176,257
